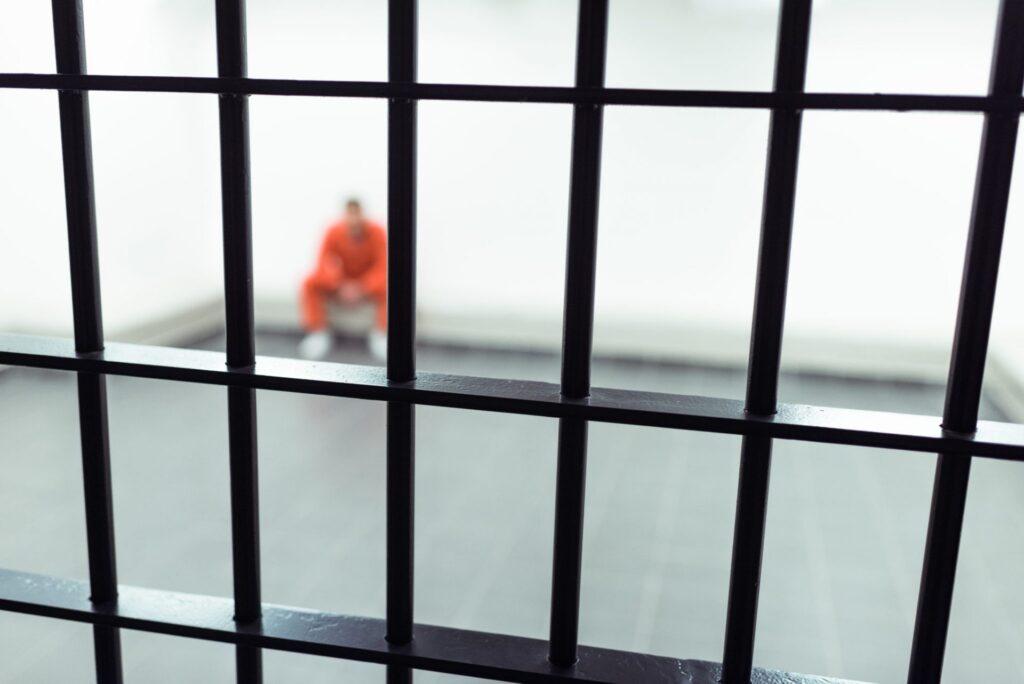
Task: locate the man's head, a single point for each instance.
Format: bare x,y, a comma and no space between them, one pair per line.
354,215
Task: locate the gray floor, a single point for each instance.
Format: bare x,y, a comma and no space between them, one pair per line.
845,534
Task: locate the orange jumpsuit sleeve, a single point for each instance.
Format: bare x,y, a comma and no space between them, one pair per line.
375,280
329,268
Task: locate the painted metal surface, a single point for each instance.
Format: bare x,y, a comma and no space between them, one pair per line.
708,414
440,649
401,357
766,342
970,347
741,99
237,229
80,202
577,334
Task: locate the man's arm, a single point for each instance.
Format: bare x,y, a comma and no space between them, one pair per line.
328,264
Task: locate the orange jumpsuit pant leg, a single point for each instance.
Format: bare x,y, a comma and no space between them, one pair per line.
380,298
317,289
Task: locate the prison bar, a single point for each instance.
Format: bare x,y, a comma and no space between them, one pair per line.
741,99
439,649
885,430
79,192
577,333
970,345
958,438
240,347
401,359
766,342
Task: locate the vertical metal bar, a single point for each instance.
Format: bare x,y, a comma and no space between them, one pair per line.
401,364
401,194
76,142
400,496
237,226
577,333
970,345
245,532
766,341
567,564
235,191
99,518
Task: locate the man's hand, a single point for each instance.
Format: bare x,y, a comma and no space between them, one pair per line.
351,293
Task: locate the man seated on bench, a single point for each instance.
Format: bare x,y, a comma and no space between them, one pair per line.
352,268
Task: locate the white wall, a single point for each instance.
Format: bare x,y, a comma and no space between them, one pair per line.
882,209
156,173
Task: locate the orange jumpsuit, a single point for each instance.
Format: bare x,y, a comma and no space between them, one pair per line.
343,259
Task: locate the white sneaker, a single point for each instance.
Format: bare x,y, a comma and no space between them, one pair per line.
316,345
377,342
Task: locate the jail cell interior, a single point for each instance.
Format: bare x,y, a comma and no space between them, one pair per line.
398,641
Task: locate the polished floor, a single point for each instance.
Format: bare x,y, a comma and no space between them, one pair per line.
846,526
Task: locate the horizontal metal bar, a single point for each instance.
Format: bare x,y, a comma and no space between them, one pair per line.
705,414
440,649
743,99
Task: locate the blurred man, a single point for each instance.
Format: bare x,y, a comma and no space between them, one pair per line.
352,268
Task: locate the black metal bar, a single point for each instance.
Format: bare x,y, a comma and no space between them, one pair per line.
401,449
654,409
76,139
237,211
577,333
401,362
584,188
79,192
400,490
241,352
107,654
440,649
237,223
244,501
398,674
743,99
766,342
99,517
401,194
567,559
970,345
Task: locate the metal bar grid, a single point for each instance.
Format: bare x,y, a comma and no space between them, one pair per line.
252,626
